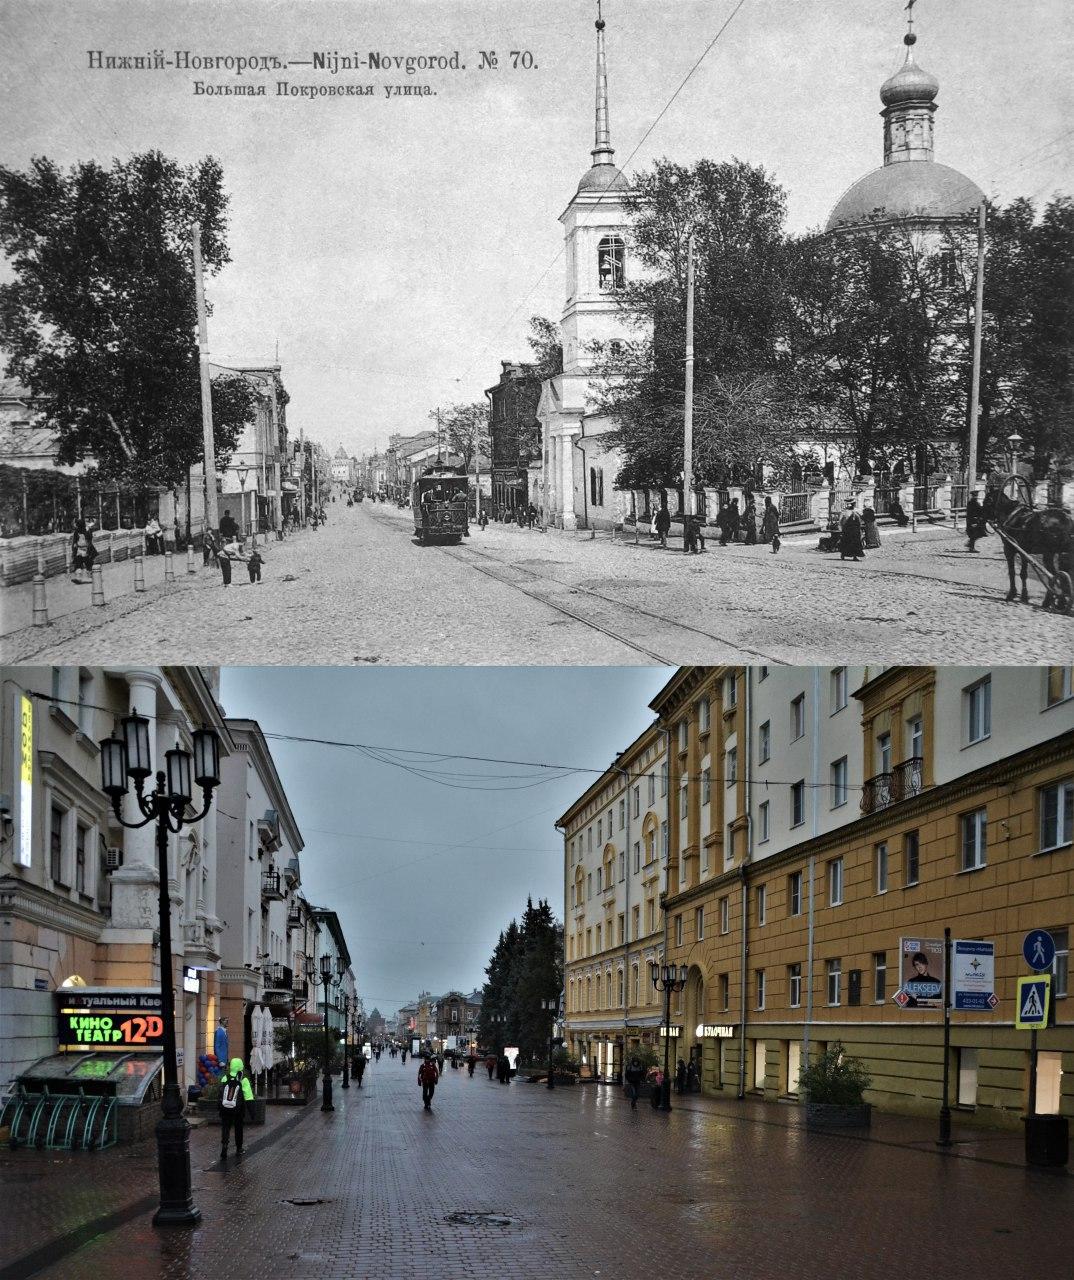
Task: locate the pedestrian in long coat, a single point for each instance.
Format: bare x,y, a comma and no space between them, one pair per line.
680,1077
750,520
83,552
872,533
850,536
770,522
662,524
976,527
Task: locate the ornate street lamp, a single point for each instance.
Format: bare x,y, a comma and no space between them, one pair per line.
667,978
127,759
498,1019
346,1043
551,1007
326,1080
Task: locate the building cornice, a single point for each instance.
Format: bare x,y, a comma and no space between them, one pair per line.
25,901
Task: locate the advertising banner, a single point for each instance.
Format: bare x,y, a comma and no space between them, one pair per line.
24,846
119,1021
973,975
920,973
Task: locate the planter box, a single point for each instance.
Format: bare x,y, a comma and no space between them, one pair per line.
832,1115
210,1111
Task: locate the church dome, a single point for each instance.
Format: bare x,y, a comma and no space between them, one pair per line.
603,177
910,83
914,189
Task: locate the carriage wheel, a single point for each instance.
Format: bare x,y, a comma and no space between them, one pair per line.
1063,589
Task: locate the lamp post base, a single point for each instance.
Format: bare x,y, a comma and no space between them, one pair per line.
665,1094
326,1093
177,1208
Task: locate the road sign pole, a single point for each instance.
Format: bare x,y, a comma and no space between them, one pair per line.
945,1110
1032,1108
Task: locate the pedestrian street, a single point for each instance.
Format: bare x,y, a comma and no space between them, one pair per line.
519,1180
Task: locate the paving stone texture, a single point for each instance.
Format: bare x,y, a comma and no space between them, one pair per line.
361,590
519,1181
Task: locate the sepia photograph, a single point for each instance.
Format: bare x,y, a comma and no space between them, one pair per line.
536,636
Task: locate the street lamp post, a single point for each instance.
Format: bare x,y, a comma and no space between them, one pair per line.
667,978
326,1080
551,1007
123,760
346,1042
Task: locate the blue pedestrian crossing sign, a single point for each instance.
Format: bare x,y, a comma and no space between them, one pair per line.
1038,947
1031,1011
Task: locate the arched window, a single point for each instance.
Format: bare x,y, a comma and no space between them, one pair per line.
611,263
947,273
596,487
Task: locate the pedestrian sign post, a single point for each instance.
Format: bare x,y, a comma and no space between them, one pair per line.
1034,1000
1038,948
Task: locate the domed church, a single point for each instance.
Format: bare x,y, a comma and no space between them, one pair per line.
910,186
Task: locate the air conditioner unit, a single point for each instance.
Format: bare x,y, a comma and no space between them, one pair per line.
113,858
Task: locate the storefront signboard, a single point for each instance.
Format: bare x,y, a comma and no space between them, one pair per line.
712,1031
24,847
119,1021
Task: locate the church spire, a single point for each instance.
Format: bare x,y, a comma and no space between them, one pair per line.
909,105
603,150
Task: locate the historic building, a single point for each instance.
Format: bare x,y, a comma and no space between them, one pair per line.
579,468
78,892
514,434
616,840
825,818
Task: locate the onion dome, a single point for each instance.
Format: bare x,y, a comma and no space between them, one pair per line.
910,83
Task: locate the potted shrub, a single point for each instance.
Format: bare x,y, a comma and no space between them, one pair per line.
834,1090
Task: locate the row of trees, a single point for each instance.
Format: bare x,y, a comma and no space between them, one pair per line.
864,338
526,967
99,320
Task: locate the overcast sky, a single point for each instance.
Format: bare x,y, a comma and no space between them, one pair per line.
425,873
395,249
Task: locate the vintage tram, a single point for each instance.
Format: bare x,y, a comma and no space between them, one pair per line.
439,501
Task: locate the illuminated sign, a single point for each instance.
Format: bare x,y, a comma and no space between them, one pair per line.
191,981
24,849
714,1032
674,1031
109,1020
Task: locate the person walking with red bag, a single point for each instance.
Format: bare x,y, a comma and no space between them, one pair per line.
427,1078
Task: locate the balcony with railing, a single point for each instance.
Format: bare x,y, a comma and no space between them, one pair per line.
279,978
900,783
271,885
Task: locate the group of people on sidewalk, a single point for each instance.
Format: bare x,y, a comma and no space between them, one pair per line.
734,526
686,1080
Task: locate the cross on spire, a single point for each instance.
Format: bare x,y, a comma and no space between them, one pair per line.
602,150
909,38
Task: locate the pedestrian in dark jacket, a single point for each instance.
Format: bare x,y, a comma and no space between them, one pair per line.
680,1077
689,535
770,524
235,1092
428,1075
634,1076
850,536
359,1067
253,564
83,552
490,1064
693,1080
976,527
749,519
505,1069
662,525
870,531
729,523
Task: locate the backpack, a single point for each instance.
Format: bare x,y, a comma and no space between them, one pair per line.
229,1097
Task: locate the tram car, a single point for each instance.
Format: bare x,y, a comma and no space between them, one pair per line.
439,500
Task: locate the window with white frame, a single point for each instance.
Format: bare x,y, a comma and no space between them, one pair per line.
764,742
731,766
725,915
1061,963
911,857
1056,815
699,923
916,737
704,716
977,711
759,981
1057,685
974,839
881,858
682,800
835,882
706,786
635,984
880,976
652,789
763,822
622,814
761,900
797,717
838,681
678,930
794,986
684,735
794,893
883,753
797,804
637,801
731,689
835,981
637,856
839,782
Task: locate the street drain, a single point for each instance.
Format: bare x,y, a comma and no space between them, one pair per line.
476,1218
299,1200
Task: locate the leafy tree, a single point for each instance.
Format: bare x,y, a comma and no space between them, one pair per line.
466,430
99,321
547,347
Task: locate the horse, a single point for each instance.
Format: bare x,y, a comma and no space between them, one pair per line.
1048,533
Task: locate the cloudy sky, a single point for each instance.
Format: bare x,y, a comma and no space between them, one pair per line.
394,249
427,857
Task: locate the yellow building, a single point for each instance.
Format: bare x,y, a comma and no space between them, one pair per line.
823,817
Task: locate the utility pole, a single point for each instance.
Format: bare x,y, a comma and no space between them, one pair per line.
277,478
688,402
438,458
212,512
302,477
975,382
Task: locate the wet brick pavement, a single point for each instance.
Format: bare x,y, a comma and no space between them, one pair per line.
579,1185
361,590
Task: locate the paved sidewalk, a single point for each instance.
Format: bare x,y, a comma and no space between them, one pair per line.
522,1181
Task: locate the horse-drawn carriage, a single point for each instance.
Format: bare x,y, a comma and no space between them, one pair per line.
1042,538
439,500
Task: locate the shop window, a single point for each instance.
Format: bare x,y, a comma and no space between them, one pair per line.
1049,1082
967,1077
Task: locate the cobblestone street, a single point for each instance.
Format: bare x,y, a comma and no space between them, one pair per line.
381,1188
361,590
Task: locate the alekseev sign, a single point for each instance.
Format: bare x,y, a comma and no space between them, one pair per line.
120,1021
921,973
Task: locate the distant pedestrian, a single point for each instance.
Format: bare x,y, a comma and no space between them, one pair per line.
83,552
895,510
662,525
850,536
531,514
471,1062
490,1065
504,1074
689,535
976,528
235,1092
634,1076
770,525
693,1080
228,528
870,532
656,1081
403,1052
680,1077
210,548
428,1075
253,564
730,522
749,521
483,519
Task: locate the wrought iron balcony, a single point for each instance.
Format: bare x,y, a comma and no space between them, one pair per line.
902,782
300,987
279,978
294,918
270,885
